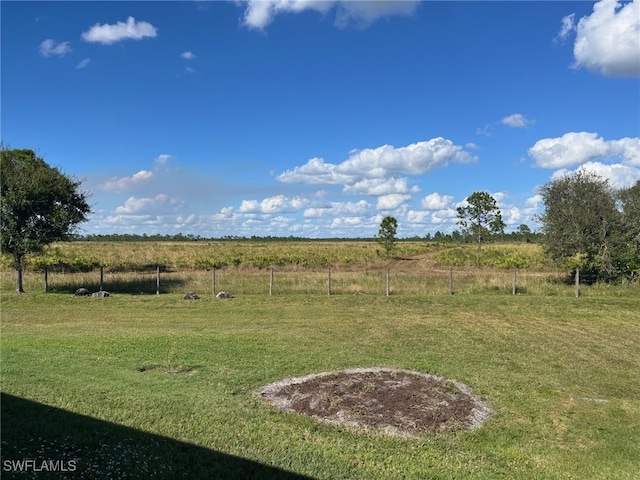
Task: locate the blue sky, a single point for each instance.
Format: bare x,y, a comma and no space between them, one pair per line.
317,119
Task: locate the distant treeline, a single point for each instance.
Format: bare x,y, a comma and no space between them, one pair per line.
454,237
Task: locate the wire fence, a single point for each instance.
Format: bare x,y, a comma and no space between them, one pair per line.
394,280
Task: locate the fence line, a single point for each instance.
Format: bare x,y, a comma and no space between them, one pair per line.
388,281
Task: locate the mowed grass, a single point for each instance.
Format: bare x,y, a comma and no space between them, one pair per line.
152,386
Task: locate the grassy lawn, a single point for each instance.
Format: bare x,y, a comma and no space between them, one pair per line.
154,386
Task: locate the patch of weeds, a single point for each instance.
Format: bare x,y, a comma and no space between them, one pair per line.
168,369
368,387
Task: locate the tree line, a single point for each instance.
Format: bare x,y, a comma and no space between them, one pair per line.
180,237
522,234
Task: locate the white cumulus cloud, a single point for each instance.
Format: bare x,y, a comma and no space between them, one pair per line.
346,222
511,215
435,201
415,159
259,14
275,204
50,48
376,171
391,201
315,172
533,202
499,197
608,40
619,176
415,217
517,120
129,30
188,55
161,203
576,148
338,209
444,216
379,186
124,184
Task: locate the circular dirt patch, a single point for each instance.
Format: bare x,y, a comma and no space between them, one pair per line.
400,402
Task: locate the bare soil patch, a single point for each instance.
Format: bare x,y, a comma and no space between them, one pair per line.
399,402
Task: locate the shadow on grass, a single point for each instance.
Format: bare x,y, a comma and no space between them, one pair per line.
134,286
39,441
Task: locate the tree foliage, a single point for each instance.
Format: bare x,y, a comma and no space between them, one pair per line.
387,234
630,204
584,227
481,217
629,200
39,205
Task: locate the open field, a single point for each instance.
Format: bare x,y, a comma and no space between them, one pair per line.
152,386
347,267
132,256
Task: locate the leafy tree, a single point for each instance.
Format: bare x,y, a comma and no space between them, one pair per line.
524,229
39,205
581,225
480,217
387,234
630,205
524,232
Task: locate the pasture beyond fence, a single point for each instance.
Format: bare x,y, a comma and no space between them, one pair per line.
393,280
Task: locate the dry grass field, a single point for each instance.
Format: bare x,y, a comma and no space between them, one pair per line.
276,267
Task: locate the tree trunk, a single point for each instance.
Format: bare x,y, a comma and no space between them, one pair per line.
479,233
17,263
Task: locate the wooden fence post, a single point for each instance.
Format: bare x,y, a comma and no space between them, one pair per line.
388,285
101,278
158,280
515,273
329,282
213,281
577,282
46,279
450,280
271,282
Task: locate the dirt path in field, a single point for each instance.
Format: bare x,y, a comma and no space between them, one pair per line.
399,402
422,262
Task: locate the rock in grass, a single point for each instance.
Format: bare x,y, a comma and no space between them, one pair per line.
191,296
100,294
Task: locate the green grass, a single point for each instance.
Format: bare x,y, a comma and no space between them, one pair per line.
112,382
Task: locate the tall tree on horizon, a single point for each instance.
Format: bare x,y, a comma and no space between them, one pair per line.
387,234
480,217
